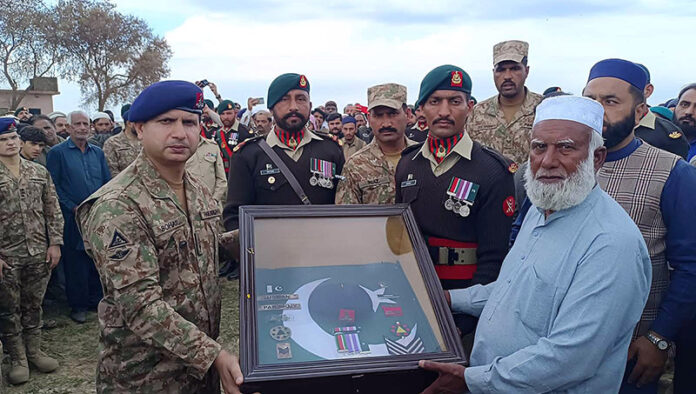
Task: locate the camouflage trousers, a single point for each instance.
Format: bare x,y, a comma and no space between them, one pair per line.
21,294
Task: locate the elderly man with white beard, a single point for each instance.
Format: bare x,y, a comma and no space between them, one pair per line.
561,314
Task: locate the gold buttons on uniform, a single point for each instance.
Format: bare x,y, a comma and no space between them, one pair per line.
271,180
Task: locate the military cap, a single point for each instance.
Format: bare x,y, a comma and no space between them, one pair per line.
124,109
645,69
225,105
663,112
512,50
7,125
20,109
552,89
620,69
390,95
445,77
164,96
283,84
209,103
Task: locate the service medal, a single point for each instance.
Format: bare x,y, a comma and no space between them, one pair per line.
462,194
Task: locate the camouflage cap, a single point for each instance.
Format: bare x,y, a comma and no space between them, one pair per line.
390,95
512,50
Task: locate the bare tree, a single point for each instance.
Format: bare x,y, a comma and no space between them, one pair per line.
28,44
113,56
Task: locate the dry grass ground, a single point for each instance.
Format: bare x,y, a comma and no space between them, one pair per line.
75,347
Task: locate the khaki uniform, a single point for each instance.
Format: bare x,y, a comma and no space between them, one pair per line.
159,268
487,125
369,177
207,167
31,221
349,149
120,151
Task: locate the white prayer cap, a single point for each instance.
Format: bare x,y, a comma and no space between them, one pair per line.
577,109
56,114
100,115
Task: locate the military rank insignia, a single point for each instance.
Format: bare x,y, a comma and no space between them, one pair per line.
303,81
457,79
322,173
509,206
674,135
461,196
513,167
283,351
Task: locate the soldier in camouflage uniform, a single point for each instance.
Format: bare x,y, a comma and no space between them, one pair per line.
504,121
122,149
369,173
30,239
206,166
153,233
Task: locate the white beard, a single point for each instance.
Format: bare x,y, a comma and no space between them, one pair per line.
561,195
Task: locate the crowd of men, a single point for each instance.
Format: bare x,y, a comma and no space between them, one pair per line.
561,227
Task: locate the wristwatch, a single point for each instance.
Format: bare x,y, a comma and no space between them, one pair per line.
661,344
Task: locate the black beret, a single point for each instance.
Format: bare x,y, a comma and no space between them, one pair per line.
164,96
283,84
445,77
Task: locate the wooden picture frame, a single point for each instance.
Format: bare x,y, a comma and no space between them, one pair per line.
280,244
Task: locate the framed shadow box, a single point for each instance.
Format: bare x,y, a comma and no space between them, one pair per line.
339,299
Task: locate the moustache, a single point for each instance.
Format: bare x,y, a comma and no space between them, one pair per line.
450,121
291,114
387,130
686,117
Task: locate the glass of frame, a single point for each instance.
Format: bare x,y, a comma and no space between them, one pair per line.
339,296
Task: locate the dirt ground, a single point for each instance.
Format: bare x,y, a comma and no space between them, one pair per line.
75,347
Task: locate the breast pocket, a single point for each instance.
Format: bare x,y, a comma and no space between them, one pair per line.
537,304
271,182
35,188
177,274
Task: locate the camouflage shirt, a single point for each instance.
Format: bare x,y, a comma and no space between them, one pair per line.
369,177
349,149
487,125
159,270
120,151
29,212
206,166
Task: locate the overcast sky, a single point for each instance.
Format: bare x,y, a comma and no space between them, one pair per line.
344,47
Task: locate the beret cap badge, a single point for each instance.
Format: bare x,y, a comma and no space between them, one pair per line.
303,81
456,79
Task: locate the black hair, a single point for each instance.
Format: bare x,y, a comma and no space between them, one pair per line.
686,88
33,134
37,118
322,113
555,94
637,95
333,116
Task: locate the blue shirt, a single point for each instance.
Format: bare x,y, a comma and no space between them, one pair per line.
76,174
561,314
692,150
679,215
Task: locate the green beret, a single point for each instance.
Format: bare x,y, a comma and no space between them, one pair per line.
124,109
446,77
283,84
209,103
20,109
224,106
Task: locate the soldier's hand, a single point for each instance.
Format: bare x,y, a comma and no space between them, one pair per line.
213,88
450,379
3,266
53,256
227,366
230,241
